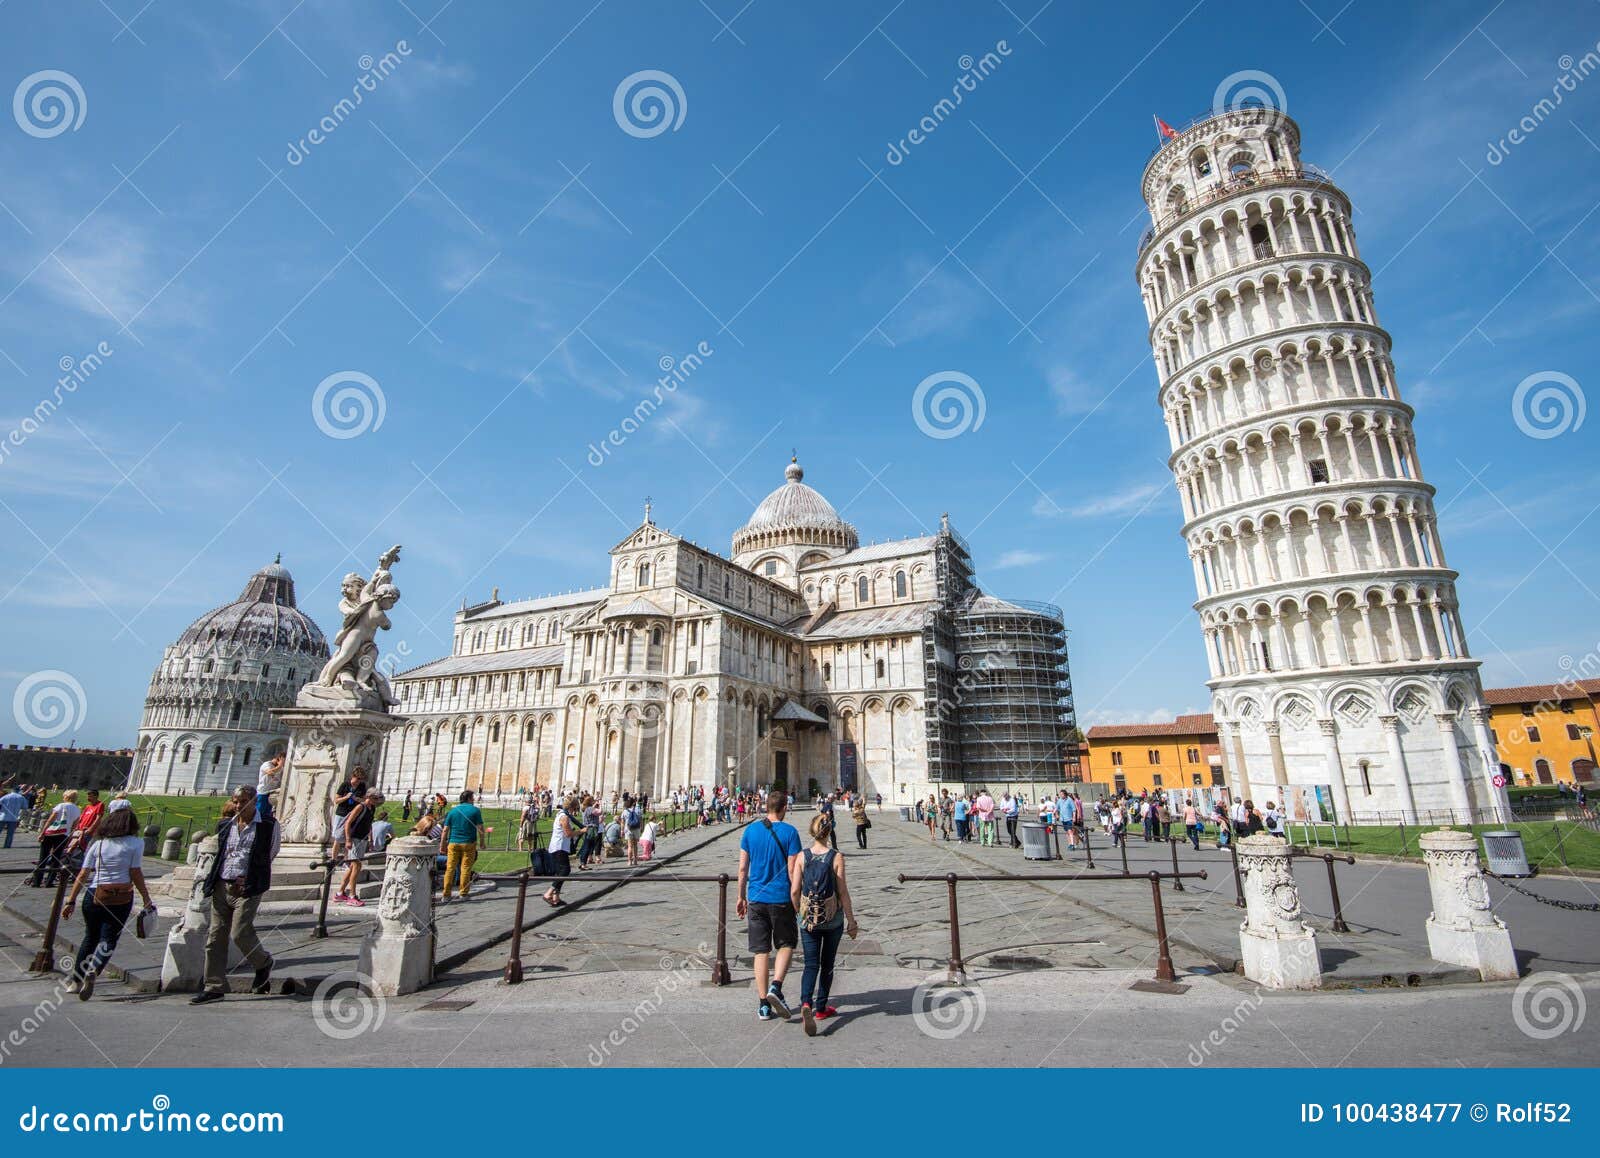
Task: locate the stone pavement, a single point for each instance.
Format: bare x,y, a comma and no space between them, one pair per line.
465,930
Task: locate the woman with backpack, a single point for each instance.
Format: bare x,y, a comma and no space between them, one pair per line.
825,917
113,868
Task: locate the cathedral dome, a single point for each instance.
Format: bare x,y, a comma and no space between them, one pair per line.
263,617
794,514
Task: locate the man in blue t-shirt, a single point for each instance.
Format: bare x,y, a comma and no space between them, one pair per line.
769,893
963,809
464,825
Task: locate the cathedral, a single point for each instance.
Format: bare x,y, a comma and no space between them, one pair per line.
803,660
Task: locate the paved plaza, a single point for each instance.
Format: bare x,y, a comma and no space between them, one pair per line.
1059,975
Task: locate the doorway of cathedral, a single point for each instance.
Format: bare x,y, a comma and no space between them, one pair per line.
780,770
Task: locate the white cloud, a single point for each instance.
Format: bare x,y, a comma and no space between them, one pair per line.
1018,559
1134,499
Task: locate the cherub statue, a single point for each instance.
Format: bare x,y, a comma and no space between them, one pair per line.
354,663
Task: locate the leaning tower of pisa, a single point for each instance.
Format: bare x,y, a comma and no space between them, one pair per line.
1338,660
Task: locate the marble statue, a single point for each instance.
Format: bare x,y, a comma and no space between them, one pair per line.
351,673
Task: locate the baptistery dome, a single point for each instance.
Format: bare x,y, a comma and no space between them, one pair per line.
790,520
207,721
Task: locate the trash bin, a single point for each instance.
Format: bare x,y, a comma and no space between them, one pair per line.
906,814
1506,856
1036,842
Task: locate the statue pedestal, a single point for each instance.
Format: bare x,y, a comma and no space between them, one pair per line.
397,956
1277,948
1462,929
183,967
327,744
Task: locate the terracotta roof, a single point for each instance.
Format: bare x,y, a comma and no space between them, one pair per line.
1538,693
1198,724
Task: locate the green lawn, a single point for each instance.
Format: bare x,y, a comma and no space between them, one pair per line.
1549,845
200,814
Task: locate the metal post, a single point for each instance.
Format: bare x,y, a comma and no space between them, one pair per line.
1238,884
1122,843
719,968
958,968
513,972
322,907
1561,838
1089,852
1055,833
1333,887
1402,838
44,961
1177,881
1164,969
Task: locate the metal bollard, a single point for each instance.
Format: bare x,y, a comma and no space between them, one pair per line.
1177,881
1088,851
1333,887
1123,844
958,968
327,888
1164,969
513,971
1238,882
44,959
719,968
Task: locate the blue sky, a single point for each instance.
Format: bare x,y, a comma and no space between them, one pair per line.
482,240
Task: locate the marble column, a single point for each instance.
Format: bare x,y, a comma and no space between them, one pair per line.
1499,799
1456,775
1462,929
1330,746
1402,775
397,956
1277,948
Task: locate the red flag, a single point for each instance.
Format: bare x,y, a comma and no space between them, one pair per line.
1167,131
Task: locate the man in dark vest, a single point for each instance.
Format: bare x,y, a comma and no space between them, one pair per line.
239,877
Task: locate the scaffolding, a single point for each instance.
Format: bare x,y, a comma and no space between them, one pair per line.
1013,692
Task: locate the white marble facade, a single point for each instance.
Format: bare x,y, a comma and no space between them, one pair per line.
689,667
1332,630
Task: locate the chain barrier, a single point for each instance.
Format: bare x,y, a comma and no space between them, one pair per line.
1571,906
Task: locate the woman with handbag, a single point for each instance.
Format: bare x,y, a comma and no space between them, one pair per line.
112,870
825,917
562,830
53,839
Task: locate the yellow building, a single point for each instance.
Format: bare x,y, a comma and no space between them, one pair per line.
1545,732
1180,754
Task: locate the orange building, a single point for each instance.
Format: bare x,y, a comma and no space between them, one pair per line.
1546,732
1181,754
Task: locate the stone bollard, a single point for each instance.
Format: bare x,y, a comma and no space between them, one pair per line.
397,956
194,846
152,839
1462,929
1279,950
172,847
184,966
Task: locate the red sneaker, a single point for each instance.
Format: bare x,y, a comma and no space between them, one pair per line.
824,1014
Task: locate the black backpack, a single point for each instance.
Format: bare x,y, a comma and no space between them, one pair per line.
819,893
